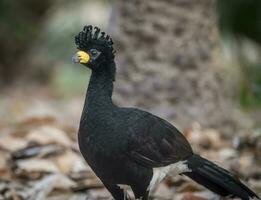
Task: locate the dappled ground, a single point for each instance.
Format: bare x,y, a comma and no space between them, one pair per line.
39,156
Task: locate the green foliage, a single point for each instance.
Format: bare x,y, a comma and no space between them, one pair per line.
70,80
20,25
242,19
250,95
56,43
39,34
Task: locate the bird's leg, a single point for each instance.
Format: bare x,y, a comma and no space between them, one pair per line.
126,195
146,197
116,192
140,193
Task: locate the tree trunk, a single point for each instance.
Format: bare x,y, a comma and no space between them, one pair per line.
169,62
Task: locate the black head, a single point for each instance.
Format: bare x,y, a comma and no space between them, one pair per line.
95,47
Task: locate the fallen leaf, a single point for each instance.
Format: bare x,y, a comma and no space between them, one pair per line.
3,161
190,196
98,193
63,182
189,187
227,153
37,121
37,165
11,143
42,151
70,162
49,135
163,191
41,189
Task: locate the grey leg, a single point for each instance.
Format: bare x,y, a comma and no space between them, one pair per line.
116,191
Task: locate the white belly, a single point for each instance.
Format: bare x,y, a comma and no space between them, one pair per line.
160,173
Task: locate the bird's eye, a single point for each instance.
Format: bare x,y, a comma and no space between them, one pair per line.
94,52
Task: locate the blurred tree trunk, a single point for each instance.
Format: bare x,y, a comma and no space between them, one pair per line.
169,62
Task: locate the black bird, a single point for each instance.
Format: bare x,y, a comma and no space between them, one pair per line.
131,147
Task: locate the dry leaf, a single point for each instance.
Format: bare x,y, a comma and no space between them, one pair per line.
189,187
190,196
12,144
245,162
70,162
42,151
227,153
37,165
163,191
63,182
98,193
43,188
3,161
69,196
49,135
37,121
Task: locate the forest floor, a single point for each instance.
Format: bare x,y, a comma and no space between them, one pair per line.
40,159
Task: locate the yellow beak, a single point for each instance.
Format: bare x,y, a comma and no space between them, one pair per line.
81,57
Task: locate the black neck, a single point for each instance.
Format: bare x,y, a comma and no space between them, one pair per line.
99,94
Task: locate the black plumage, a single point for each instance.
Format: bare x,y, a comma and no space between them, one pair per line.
124,146
217,179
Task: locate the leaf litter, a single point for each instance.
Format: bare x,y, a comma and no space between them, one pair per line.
40,160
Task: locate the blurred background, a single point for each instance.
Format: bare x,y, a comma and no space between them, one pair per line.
195,63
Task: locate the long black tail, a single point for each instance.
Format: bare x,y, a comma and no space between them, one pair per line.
217,179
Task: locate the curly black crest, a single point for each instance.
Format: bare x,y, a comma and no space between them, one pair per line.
94,37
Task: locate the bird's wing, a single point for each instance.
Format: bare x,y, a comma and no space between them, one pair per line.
159,144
